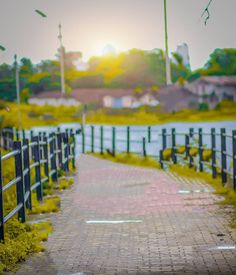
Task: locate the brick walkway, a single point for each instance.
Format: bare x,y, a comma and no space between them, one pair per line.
173,231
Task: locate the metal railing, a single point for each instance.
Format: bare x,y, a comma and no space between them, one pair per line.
44,155
213,151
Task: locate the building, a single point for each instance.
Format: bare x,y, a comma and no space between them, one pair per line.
183,51
130,101
53,99
213,89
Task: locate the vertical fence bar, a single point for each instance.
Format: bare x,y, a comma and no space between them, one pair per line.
52,158
1,203
101,139
223,155
213,152
128,139
83,140
164,143
234,158
20,190
149,134
161,159
92,138
73,142
39,189
187,146
27,178
59,146
23,134
17,135
173,143
191,135
200,149
66,152
113,141
144,147
45,156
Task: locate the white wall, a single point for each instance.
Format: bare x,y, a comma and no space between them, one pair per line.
54,101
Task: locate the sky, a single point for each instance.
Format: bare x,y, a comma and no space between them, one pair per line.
89,25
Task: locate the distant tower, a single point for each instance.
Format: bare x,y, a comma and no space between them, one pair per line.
62,52
183,51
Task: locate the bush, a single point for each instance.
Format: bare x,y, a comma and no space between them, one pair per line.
21,240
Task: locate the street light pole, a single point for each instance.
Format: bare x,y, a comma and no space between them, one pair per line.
18,91
168,70
62,62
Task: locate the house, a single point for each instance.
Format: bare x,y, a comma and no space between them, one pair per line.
130,101
53,99
214,88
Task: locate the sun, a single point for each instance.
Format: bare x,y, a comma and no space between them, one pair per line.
107,48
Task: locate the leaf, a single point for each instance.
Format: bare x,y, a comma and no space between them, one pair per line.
40,13
2,48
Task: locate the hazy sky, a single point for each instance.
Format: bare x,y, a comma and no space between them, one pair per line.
88,25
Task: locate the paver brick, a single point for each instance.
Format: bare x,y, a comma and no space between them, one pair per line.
176,236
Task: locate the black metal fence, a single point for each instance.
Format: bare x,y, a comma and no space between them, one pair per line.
45,155
213,151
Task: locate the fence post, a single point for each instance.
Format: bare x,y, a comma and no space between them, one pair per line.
113,141
53,165
17,134
66,152
128,139
1,203
144,147
59,145
27,178
83,141
163,139
92,138
36,149
187,146
223,155
20,192
234,158
45,156
73,149
173,143
191,134
101,140
161,159
200,149
213,152
149,134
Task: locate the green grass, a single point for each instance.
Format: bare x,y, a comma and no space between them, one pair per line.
21,240
35,115
129,159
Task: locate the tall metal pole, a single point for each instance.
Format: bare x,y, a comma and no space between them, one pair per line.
168,71
62,62
18,91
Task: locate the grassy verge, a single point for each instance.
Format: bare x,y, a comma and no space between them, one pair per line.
49,115
21,240
130,159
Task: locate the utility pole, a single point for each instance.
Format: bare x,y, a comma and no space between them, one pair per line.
168,70
62,62
18,91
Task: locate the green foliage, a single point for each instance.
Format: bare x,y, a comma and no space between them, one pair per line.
48,205
21,240
203,107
